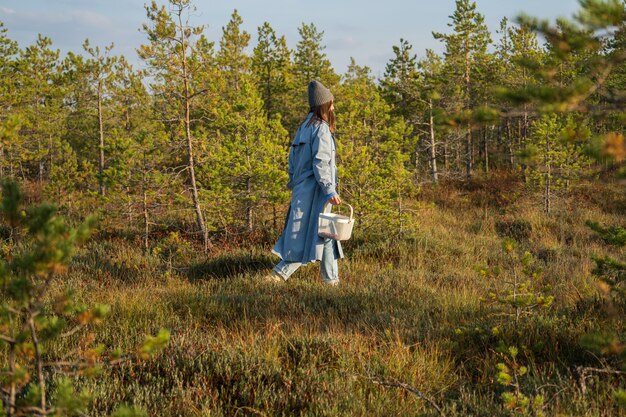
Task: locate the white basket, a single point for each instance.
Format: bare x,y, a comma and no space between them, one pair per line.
334,225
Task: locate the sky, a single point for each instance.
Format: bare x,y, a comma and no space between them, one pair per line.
365,30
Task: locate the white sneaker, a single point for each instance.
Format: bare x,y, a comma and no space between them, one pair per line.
273,277
334,282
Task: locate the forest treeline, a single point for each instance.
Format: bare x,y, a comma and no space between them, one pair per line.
197,141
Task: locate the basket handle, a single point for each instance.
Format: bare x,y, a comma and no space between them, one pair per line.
351,209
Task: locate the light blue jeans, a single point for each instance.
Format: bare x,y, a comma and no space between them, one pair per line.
329,270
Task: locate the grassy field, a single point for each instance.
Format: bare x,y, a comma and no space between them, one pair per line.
405,334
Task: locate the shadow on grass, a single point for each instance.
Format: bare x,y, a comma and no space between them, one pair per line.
110,260
413,315
309,304
230,265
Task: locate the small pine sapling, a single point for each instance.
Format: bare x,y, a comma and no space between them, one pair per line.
509,374
610,272
523,292
611,235
608,344
171,248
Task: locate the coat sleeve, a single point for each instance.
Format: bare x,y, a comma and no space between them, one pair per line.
322,153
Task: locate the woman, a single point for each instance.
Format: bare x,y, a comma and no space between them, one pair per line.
313,181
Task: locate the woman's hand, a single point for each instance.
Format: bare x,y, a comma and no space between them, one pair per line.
335,200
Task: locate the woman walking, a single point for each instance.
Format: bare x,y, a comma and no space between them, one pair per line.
313,181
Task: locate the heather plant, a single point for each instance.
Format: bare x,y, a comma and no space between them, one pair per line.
35,317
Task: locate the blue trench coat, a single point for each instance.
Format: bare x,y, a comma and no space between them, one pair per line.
312,179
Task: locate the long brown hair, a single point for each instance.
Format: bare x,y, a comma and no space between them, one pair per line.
323,113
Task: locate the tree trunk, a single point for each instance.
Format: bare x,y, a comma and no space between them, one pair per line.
446,157
39,361
468,152
101,140
401,225
13,389
191,162
249,205
146,223
50,157
11,166
416,155
192,175
127,116
548,178
468,134
40,174
509,143
1,160
268,94
546,199
485,151
433,149
129,210
524,132
457,152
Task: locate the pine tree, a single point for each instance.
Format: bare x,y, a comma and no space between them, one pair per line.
40,101
139,171
65,175
465,48
372,153
100,67
525,47
26,279
517,45
8,75
172,42
554,155
575,67
89,84
12,144
310,62
579,61
612,93
81,121
232,58
400,86
431,84
245,172
149,182
400,82
8,56
271,66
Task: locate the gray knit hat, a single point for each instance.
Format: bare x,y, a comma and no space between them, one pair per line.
319,94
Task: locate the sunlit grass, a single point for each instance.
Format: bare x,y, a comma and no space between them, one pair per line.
407,311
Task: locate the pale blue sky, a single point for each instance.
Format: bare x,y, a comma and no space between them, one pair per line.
365,30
